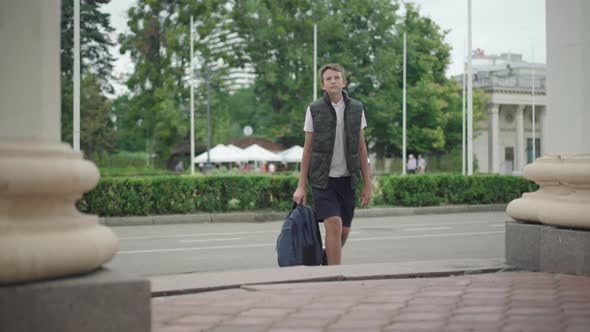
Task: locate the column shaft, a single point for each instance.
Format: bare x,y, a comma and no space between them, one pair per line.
495,141
30,70
519,154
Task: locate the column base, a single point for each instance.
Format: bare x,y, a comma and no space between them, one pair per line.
102,301
534,247
42,234
563,198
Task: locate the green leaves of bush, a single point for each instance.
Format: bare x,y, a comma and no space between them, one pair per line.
424,190
140,196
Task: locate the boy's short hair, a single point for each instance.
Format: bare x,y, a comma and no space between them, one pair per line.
333,66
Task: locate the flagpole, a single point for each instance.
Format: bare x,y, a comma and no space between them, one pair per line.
315,64
469,94
76,119
192,158
404,111
533,108
463,112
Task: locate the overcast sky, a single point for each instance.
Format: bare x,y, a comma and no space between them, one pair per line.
498,26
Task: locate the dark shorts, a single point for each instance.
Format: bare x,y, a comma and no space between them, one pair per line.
338,199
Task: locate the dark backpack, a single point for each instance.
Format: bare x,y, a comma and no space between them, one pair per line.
300,241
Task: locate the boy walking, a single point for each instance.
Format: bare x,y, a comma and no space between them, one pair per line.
334,156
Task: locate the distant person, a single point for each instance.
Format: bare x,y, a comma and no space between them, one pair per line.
272,168
411,164
179,168
334,157
421,164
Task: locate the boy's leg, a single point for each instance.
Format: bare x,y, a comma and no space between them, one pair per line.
345,232
334,243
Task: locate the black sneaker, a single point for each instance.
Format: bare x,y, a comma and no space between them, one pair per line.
324,258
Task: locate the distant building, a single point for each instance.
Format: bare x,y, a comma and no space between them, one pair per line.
505,143
220,42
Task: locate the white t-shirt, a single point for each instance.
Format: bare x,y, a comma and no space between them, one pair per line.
338,167
411,164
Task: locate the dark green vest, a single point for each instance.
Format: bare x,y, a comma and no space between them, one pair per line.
324,133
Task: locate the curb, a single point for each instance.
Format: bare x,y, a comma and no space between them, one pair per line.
252,286
241,217
167,285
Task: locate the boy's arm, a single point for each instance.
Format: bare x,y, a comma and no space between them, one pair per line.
364,156
299,196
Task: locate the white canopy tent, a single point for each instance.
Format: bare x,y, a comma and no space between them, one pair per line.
293,154
222,154
236,148
257,153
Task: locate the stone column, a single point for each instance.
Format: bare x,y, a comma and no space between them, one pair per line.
42,234
519,154
542,128
563,173
494,141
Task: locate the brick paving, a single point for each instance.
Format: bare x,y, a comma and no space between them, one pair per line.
509,301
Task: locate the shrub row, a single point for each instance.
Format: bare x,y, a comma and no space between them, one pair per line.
124,196
425,190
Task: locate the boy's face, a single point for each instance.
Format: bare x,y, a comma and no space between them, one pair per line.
332,81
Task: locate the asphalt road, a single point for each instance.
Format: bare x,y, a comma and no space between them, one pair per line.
187,248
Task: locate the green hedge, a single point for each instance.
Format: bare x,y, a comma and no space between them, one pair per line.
123,196
140,196
425,190
133,171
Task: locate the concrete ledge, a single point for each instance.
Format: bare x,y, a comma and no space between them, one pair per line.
537,247
102,301
278,216
522,245
271,216
233,217
565,251
486,207
182,219
211,281
127,221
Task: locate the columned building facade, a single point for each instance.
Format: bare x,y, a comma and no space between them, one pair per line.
504,143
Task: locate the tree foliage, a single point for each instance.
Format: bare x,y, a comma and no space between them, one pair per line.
159,43
96,64
276,38
366,37
98,129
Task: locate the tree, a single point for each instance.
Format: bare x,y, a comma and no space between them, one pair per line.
159,44
276,38
95,66
98,131
279,44
129,132
95,27
368,43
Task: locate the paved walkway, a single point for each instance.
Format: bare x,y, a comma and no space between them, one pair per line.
503,301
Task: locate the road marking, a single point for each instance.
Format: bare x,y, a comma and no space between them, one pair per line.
147,237
424,236
209,240
394,226
172,236
426,229
274,244
195,248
